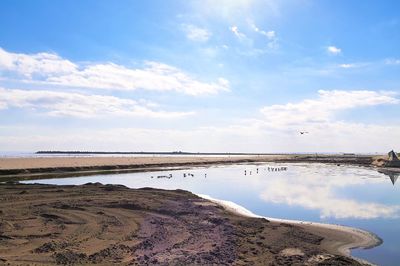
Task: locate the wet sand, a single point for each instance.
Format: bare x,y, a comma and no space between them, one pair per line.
109,224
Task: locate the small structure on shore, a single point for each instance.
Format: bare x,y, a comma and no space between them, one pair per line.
393,156
393,160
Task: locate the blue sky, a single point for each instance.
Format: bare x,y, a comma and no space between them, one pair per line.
228,75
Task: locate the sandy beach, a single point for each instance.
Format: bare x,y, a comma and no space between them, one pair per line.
111,224
59,162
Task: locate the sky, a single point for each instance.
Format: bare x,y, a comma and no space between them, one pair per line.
200,75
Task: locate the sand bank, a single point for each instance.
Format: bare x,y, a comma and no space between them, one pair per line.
109,224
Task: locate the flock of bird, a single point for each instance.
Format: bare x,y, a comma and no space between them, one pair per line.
170,175
269,169
163,176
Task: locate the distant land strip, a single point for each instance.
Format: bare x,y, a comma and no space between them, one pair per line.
176,153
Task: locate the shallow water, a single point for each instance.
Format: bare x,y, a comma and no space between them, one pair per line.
347,195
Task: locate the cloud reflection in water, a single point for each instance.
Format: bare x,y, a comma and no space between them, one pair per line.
313,191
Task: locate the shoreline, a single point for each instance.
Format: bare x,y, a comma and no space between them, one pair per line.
342,244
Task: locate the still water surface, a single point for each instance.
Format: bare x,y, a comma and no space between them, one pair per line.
346,195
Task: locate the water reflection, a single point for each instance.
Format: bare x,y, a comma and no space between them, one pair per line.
323,198
328,193
392,175
338,192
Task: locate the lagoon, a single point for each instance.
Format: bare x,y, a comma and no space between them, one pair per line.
347,195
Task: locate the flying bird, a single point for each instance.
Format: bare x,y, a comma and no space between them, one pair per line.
303,132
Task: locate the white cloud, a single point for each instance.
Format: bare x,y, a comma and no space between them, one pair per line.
270,35
154,76
41,63
80,105
392,61
347,65
195,33
248,43
277,132
364,65
245,136
333,50
237,33
324,107
278,128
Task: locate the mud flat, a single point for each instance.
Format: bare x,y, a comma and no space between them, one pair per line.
111,224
